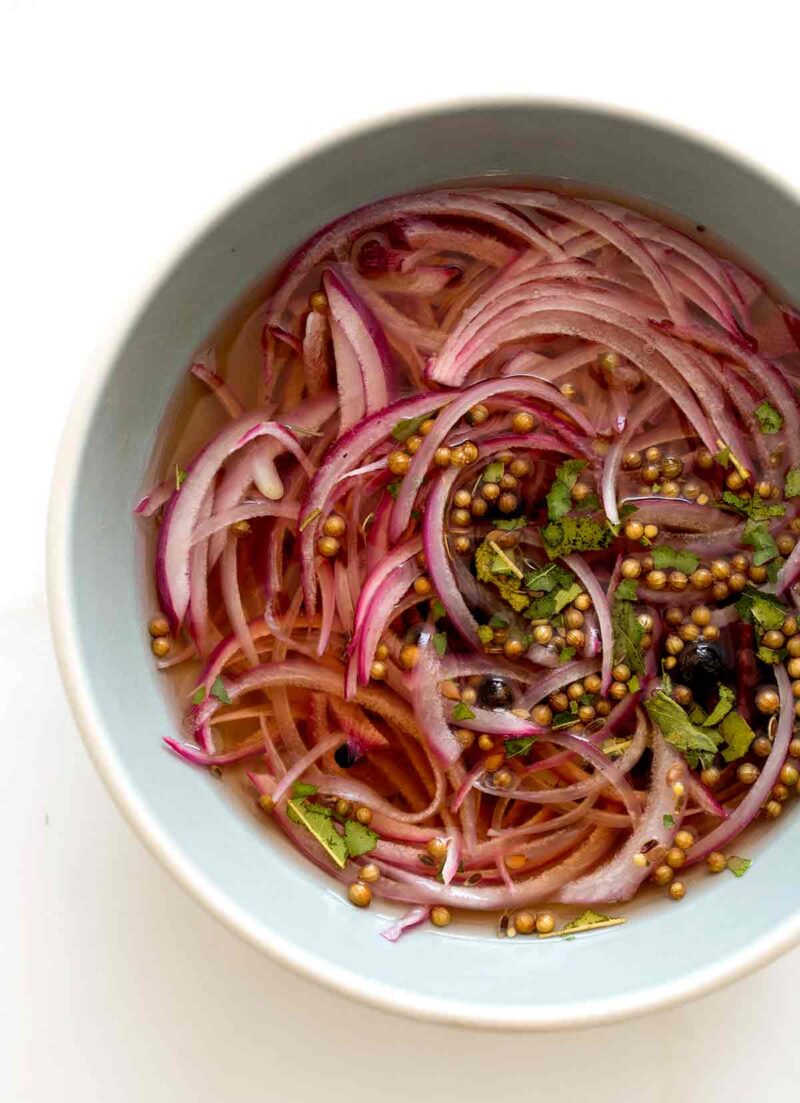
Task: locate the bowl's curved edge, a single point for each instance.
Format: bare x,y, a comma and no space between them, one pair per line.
186,873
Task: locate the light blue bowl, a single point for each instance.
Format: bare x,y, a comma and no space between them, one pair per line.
249,878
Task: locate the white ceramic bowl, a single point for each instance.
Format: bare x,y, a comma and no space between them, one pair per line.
249,878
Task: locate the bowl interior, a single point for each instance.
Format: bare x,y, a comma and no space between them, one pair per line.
222,854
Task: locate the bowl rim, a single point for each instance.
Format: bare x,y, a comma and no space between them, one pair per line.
64,630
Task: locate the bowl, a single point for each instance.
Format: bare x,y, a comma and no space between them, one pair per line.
225,857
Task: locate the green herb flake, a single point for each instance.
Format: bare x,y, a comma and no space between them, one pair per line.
407,427
628,634
358,839
666,558
762,609
485,634
585,920
757,536
668,821
549,578
573,534
698,714
769,420
303,789
492,568
722,707
497,622
634,685
626,510
518,747
697,745
616,745
493,472
566,654
394,488
589,504
180,477
756,508
723,457
770,656
219,691
462,711
562,720
199,695
627,590
439,641
738,735
437,609
559,499
510,524
738,866
791,488
318,821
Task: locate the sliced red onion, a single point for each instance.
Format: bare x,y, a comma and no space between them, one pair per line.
620,878
471,396
282,789
229,401
316,357
412,918
580,568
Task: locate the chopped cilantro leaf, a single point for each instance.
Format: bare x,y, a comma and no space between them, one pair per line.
723,457
791,488
738,734
518,747
408,426
318,820
462,711
695,743
668,821
588,504
358,838
493,472
666,558
180,477
626,510
497,622
566,654
219,691
439,640
626,591
562,720
634,685
722,707
303,789
394,488
199,695
510,524
770,656
769,420
738,866
757,535
437,609
762,609
559,499
485,634
549,578
628,634
756,508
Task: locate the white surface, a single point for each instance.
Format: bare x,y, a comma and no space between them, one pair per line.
121,126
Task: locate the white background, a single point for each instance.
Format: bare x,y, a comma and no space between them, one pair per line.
123,125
